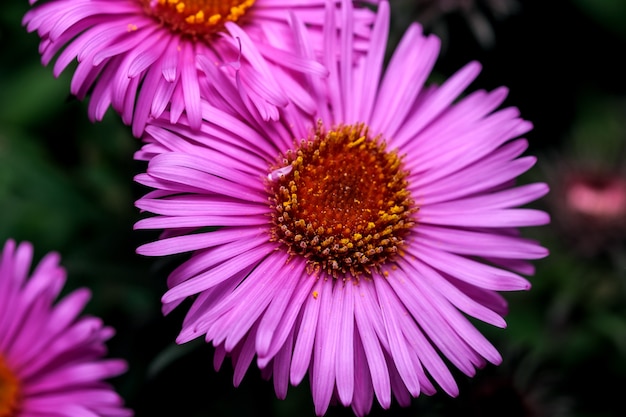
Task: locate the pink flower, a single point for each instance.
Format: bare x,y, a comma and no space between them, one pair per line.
352,244
143,57
588,203
50,358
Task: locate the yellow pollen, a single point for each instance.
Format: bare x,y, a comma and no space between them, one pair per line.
196,18
9,391
343,204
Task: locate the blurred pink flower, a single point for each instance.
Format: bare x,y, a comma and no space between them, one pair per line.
588,203
602,198
51,360
354,243
143,57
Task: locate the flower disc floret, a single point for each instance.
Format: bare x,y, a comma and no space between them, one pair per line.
197,18
341,201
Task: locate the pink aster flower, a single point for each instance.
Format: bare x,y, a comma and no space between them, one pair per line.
143,57
353,245
50,358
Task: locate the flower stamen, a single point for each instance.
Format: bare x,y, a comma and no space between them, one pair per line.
197,18
340,200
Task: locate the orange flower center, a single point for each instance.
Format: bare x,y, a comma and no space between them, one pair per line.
341,201
197,18
9,391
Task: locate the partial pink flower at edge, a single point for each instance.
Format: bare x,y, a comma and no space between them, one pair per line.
51,356
138,58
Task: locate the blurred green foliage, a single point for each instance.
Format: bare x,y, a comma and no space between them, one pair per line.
608,13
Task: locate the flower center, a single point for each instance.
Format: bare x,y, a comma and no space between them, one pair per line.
197,18
341,201
9,391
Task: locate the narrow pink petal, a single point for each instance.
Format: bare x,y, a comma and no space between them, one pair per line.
372,344
208,306
363,390
256,293
216,275
287,322
490,218
185,206
437,330
465,242
74,375
458,323
482,176
176,222
304,48
433,363
205,174
190,86
345,347
443,97
468,145
302,351
346,62
187,243
329,59
373,65
279,304
455,296
281,369
391,308
243,358
325,348
404,78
